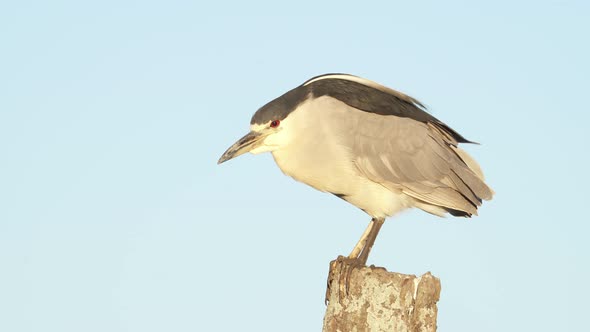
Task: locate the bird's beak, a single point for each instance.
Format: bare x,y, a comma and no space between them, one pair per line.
243,145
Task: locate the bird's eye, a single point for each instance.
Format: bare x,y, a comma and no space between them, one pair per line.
275,123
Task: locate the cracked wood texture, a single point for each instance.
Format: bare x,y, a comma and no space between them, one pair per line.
379,300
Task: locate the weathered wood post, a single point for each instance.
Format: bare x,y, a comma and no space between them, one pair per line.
379,300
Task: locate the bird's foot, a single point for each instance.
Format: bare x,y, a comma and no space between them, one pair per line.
341,268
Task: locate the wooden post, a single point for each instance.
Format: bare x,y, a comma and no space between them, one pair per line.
378,300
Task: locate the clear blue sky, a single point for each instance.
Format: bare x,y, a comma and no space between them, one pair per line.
115,217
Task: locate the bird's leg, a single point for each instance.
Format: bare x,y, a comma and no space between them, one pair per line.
370,241
357,258
361,244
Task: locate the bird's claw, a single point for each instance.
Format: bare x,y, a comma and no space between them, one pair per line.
341,268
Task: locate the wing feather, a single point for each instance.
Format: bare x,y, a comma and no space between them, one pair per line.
421,160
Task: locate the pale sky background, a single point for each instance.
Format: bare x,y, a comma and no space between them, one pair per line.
115,217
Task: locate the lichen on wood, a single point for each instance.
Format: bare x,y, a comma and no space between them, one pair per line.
378,300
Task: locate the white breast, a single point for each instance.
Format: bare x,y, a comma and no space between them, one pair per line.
320,157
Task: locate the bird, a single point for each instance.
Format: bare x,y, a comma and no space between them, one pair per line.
372,146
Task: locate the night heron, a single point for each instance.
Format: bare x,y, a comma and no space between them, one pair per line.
372,146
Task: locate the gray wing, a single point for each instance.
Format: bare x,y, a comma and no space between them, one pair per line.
421,160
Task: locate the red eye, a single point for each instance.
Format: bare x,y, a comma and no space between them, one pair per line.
275,123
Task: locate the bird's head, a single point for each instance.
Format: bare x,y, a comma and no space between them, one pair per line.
270,126
261,138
